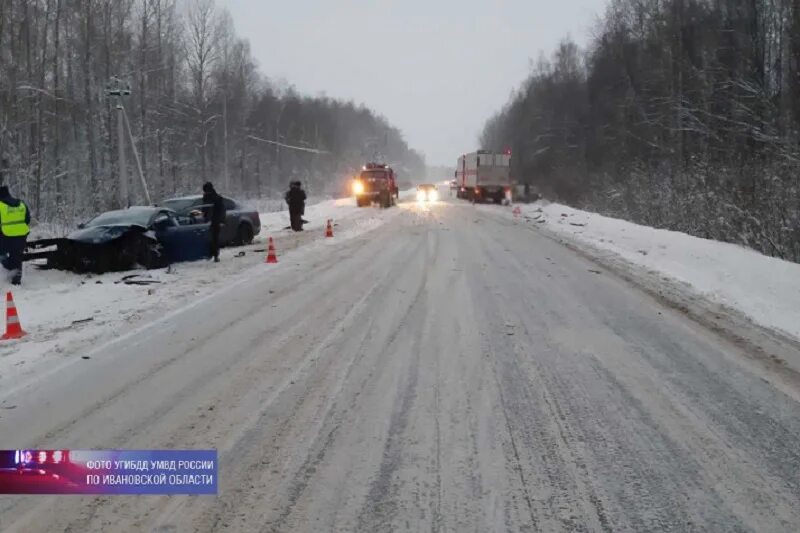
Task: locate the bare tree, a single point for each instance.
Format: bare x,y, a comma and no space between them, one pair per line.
683,114
202,53
57,129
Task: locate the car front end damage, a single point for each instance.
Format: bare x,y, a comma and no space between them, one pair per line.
101,249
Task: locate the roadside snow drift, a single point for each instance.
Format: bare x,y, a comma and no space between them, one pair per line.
764,288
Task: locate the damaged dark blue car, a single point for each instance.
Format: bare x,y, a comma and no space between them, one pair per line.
151,237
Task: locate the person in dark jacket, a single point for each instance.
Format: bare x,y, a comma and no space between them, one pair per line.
214,211
296,199
15,221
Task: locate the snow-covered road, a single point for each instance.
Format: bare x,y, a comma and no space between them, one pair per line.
452,369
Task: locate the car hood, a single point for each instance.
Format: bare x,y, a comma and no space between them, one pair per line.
103,234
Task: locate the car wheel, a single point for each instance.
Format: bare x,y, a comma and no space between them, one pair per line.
151,254
244,235
103,262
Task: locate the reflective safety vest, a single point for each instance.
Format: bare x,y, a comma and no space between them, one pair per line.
12,220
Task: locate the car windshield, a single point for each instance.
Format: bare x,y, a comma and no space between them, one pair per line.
182,204
373,174
137,217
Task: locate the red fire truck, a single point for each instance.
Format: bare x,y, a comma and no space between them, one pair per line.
376,183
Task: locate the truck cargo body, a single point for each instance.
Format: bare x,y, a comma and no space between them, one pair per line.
483,176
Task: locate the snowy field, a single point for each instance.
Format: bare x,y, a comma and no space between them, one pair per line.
766,289
65,313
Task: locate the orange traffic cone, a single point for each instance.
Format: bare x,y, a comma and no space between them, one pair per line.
13,329
271,257
329,229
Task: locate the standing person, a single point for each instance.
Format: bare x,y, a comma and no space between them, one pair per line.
15,220
296,199
214,211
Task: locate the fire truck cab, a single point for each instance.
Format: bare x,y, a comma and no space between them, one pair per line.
376,184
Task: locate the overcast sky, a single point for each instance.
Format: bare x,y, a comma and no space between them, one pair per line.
437,69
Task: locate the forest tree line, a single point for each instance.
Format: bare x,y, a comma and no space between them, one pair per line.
680,114
198,109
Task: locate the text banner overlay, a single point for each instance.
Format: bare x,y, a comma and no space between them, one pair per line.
108,471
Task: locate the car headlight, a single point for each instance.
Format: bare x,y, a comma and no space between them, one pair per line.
358,187
420,196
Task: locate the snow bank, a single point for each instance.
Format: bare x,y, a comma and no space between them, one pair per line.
317,215
764,288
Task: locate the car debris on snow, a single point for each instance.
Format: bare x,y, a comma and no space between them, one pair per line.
135,280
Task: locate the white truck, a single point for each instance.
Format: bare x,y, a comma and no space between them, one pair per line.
484,175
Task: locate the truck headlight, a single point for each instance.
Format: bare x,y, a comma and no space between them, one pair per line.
358,187
433,195
420,196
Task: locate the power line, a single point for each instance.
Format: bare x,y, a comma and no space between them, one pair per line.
290,146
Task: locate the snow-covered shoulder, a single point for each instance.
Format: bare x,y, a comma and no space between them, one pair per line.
766,289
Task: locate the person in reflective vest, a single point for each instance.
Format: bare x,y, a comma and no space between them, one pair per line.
15,220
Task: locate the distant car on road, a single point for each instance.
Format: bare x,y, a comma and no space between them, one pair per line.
242,224
427,192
